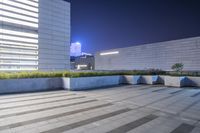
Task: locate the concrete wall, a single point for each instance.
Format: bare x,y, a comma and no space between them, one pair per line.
160,55
54,35
29,85
91,82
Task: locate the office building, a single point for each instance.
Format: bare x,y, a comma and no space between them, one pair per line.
161,55
83,62
75,49
34,35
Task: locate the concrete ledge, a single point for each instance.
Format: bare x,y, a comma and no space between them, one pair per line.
131,79
192,81
29,85
155,79
43,84
175,81
83,83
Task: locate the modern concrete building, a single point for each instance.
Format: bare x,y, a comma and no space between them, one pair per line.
83,62
34,35
161,55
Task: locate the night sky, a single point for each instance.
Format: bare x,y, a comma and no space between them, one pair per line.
107,24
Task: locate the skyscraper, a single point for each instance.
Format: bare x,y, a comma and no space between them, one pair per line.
34,35
75,49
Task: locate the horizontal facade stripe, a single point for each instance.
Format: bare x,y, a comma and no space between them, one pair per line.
18,33
17,47
19,27
12,14
19,10
28,3
18,69
11,37
20,5
8,41
19,53
18,58
17,21
14,43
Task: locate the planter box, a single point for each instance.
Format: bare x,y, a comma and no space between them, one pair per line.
83,83
155,79
175,81
192,81
131,79
29,85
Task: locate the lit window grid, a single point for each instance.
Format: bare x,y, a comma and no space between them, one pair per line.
18,57
18,16
19,52
10,62
18,60
17,47
25,34
18,68
109,53
20,5
35,46
28,2
18,10
24,39
19,22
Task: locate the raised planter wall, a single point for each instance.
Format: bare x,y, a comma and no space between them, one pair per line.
29,85
131,79
192,81
175,81
155,79
43,84
90,82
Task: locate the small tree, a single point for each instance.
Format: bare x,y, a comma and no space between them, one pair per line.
178,67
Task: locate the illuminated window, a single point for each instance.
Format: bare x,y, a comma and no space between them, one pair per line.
18,43
18,10
20,22
110,53
23,6
18,33
23,39
18,16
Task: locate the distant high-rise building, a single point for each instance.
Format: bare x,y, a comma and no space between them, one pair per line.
75,49
34,35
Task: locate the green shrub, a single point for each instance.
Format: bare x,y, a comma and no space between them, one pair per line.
37,74
178,67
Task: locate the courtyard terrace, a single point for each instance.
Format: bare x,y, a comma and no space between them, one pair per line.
127,108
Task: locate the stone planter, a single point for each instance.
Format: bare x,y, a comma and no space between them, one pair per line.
192,81
29,85
83,83
131,79
154,79
175,81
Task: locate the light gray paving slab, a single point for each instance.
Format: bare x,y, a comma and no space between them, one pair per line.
27,113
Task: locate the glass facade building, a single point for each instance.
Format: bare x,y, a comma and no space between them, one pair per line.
28,33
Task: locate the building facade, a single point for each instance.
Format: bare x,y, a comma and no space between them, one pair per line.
83,62
34,35
75,49
160,55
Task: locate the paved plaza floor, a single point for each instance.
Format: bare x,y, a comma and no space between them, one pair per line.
120,109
